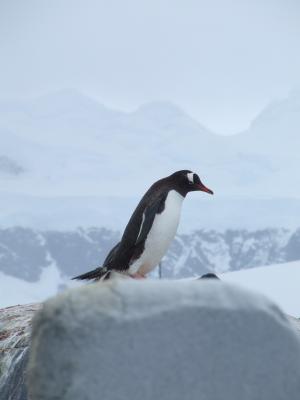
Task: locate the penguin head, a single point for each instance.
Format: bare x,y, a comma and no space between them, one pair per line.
188,181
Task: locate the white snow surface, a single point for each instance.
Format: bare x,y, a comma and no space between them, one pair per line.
15,291
279,282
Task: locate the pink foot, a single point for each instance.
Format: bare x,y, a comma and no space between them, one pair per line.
137,276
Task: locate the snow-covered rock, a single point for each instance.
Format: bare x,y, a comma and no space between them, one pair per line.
168,340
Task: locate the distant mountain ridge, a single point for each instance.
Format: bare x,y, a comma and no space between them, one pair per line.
25,253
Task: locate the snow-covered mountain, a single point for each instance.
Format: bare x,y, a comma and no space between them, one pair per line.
69,144
231,250
37,264
275,131
280,282
272,142
67,161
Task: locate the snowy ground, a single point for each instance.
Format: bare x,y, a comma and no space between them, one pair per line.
279,282
15,291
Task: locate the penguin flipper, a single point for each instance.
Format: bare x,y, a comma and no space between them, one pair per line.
148,217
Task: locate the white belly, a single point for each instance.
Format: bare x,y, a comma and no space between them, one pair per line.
160,236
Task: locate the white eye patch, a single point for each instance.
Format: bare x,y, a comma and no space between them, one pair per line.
190,177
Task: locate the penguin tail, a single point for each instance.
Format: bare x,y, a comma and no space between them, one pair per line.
100,273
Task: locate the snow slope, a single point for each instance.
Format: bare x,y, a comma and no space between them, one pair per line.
279,282
15,291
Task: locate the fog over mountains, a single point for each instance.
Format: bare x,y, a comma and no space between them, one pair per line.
68,161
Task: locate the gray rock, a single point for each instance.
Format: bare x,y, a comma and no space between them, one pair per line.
15,329
163,340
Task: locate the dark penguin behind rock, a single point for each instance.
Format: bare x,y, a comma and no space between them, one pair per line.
209,275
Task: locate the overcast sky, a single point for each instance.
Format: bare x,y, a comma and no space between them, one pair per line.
220,60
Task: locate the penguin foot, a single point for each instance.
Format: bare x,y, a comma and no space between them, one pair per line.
137,276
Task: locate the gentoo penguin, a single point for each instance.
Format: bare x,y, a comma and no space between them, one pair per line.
150,229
